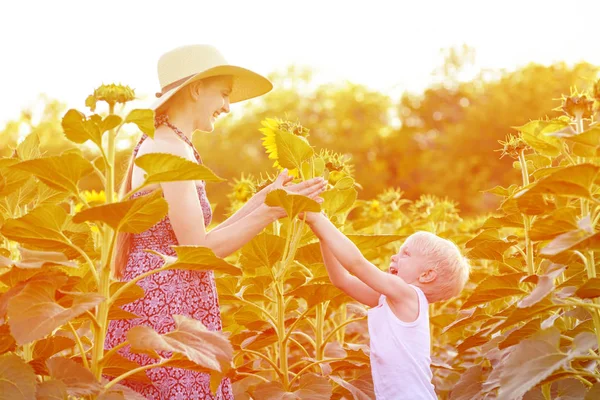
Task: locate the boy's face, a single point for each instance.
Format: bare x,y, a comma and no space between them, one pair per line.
408,264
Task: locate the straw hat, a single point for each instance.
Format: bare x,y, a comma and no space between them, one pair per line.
187,64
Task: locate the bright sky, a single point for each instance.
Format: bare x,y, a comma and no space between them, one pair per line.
65,49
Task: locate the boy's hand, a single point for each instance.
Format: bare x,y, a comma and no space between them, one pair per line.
311,217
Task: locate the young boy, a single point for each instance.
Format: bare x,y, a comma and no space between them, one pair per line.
426,269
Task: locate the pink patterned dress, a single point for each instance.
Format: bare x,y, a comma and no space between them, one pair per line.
189,293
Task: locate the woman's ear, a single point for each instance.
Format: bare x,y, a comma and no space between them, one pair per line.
194,89
428,276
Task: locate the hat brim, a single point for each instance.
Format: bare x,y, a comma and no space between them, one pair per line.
246,84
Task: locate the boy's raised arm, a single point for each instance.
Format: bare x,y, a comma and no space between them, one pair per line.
342,279
350,257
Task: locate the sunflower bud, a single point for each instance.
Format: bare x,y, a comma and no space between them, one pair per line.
336,162
111,94
577,105
293,128
513,146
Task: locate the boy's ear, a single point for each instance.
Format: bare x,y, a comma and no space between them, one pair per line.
428,276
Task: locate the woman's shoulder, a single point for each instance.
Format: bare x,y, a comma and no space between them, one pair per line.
162,142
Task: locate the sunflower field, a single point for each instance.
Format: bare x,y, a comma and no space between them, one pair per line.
527,325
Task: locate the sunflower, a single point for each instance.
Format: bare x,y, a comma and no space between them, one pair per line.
271,127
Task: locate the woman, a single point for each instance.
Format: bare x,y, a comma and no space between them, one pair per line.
197,86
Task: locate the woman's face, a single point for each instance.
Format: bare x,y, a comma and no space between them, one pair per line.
211,100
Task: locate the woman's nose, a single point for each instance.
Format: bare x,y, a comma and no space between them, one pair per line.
226,106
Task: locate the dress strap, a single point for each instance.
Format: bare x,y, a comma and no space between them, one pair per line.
163,119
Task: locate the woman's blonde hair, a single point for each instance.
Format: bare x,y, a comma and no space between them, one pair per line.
445,258
123,243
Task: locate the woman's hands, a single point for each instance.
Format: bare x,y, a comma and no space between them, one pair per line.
311,188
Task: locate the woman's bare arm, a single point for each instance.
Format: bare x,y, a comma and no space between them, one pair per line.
187,219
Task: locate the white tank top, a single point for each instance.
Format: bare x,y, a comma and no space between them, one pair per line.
401,353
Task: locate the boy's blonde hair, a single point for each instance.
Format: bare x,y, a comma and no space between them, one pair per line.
446,260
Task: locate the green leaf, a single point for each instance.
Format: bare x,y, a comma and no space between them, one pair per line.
144,119
582,150
589,289
313,167
79,129
37,259
541,127
571,181
264,250
495,287
47,195
368,243
41,227
26,194
512,220
29,148
535,358
110,122
11,180
190,340
358,393
534,133
292,203
133,293
116,365
61,173
488,245
579,239
470,384
594,392
338,201
543,145
17,379
560,221
591,137
545,285
51,390
345,183
133,216
516,315
292,150
319,166
515,337
533,204
501,191
48,347
36,312
311,386
315,293
538,160
309,254
78,380
468,317
164,167
196,258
